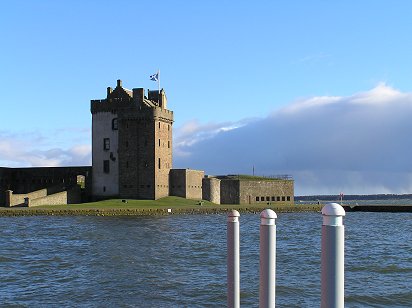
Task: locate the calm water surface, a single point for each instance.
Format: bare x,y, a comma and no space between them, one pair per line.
180,261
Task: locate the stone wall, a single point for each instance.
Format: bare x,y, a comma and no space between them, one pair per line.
194,184
266,191
177,182
41,197
186,183
18,199
5,183
229,191
163,150
145,152
235,191
211,189
54,179
105,181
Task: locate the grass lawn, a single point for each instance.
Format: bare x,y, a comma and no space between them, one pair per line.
163,203
150,207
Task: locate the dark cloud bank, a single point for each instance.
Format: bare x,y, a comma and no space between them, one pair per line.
356,144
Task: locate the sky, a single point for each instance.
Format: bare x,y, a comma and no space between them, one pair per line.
319,90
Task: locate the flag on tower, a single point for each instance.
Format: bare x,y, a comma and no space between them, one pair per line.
154,77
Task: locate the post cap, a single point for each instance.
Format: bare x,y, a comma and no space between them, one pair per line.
233,216
267,217
333,209
332,214
233,213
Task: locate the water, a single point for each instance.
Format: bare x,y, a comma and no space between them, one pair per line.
180,261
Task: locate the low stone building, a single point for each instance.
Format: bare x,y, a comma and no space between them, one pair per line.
243,189
186,183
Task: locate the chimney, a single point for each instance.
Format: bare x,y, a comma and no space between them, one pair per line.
119,83
138,95
109,91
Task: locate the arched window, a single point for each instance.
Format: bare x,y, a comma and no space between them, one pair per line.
114,124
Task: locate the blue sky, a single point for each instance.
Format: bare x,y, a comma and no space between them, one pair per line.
225,66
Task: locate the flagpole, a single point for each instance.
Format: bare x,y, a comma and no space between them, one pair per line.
158,80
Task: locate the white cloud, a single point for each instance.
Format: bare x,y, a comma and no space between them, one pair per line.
358,144
35,150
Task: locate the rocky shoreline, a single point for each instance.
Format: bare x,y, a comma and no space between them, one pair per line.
191,211
150,212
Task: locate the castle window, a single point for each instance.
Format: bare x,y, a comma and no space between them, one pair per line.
114,124
127,144
106,144
257,199
168,144
159,162
106,166
262,198
288,198
159,125
168,127
273,198
104,188
278,198
267,198
283,198
159,142
127,164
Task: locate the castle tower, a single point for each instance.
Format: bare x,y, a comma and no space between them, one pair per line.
131,144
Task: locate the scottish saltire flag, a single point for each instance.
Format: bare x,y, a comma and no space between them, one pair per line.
154,77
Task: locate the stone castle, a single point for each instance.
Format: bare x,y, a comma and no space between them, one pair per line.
132,159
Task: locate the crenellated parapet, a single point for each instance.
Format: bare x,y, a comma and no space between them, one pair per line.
109,105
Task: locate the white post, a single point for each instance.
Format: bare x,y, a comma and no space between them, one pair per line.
233,260
332,260
267,285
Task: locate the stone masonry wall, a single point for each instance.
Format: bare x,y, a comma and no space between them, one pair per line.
266,191
26,180
194,184
18,199
177,182
186,183
211,189
229,191
41,197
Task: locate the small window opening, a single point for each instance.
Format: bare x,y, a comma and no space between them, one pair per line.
106,166
114,124
106,144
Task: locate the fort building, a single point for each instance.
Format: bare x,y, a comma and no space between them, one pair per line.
132,135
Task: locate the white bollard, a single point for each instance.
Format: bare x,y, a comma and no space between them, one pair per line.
267,286
233,260
332,268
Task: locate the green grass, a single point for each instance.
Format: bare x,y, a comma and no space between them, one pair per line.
151,207
163,203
